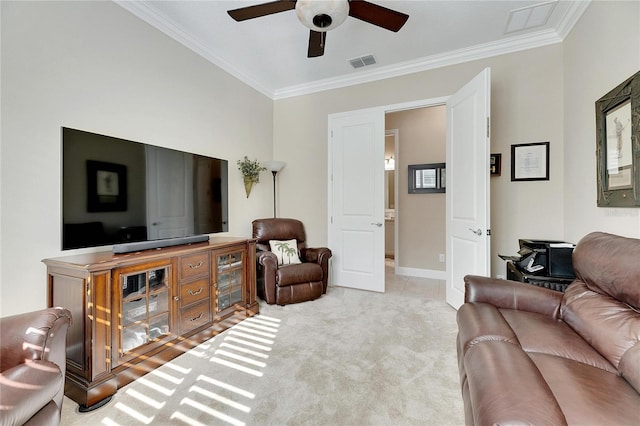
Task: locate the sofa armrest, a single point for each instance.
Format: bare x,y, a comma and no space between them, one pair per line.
316,255
34,335
506,294
267,267
320,256
28,387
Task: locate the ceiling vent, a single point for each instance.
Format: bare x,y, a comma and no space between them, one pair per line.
362,61
529,17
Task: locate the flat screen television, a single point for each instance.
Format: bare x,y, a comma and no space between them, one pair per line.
136,196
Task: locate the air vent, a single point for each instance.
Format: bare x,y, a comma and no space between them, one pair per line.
362,61
529,17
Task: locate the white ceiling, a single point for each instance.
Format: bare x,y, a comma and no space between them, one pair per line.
270,53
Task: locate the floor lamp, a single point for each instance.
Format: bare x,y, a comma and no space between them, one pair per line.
274,167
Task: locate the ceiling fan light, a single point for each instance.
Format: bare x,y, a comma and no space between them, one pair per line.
328,14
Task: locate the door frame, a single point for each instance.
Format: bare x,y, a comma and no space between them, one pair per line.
396,141
403,106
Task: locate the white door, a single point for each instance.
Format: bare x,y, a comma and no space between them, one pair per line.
169,193
356,166
468,235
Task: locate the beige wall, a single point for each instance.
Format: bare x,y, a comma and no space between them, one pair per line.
527,106
601,52
96,67
544,94
420,217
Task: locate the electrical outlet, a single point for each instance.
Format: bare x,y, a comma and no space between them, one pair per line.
441,257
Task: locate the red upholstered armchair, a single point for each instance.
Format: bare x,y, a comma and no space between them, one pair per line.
290,282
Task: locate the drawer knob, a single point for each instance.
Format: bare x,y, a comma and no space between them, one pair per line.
197,265
176,298
195,293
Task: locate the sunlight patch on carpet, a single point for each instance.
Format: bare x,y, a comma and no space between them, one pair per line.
227,386
214,396
145,399
134,413
238,367
154,386
210,411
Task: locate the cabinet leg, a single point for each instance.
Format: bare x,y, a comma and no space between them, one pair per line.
84,409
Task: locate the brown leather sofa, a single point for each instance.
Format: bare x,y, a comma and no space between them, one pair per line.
291,283
530,355
32,366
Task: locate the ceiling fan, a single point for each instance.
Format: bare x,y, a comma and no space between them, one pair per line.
321,16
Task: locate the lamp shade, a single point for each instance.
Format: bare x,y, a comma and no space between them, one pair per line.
274,166
322,15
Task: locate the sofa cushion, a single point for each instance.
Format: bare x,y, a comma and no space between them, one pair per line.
26,388
610,326
540,333
300,273
507,388
597,261
629,366
589,395
48,415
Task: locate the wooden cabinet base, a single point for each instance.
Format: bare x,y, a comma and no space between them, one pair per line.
91,286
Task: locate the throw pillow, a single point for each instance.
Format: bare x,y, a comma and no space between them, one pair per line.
286,251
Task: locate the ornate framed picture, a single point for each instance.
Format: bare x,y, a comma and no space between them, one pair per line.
617,145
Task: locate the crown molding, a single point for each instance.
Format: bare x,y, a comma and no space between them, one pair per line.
571,16
502,47
141,10
509,45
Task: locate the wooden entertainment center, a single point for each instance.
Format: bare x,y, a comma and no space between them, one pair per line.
133,312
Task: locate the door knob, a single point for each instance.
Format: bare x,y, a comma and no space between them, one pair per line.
378,224
478,231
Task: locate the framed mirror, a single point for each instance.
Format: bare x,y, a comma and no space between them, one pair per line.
427,178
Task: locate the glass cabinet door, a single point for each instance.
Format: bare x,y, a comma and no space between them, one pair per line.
145,307
230,280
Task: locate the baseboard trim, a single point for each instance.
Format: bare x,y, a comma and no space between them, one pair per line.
421,273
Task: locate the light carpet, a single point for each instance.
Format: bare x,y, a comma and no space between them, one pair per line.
349,358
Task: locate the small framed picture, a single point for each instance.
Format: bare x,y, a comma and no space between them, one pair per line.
427,178
106,187
530,161
495,164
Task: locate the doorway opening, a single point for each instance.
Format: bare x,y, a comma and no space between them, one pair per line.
415,224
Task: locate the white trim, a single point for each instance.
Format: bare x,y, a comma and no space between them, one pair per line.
571,16
482,51
422,273
396,141
143,11
501,47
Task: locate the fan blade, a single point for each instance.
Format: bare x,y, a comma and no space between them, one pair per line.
377,15
263,9
316,44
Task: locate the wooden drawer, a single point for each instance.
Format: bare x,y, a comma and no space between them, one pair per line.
195,316
194,291
195,265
